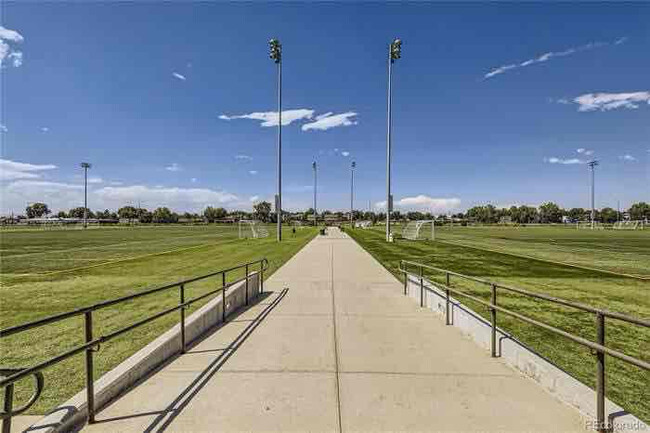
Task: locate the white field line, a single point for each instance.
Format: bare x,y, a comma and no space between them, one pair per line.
119,244
618,274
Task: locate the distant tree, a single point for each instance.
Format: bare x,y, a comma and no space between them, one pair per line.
78,212
164,215
523,214
212,214
576,214
262,211
61,214
144,216
36,210
127,213
608,215
106,214
550,213
639,211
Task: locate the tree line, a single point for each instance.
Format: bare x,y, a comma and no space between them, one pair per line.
546,213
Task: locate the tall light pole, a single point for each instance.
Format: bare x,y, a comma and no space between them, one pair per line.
592,165
352,167
276,55
315,168
394,53
85,166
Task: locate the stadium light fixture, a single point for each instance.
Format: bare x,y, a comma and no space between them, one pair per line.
85,166
352,167
275,53
394,53
592,165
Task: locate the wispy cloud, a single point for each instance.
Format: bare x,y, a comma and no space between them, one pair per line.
611,101
345,153
179,76
193,180
11,170
253,172
270,118
45,129
254,198
244,158
173,167
8,54
550,55
425,202
584,151
568,161
330,120
627,157
95,180
3,128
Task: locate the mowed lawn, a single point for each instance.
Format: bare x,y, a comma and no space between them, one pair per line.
45,272
629,251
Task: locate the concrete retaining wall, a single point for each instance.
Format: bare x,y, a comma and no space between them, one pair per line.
553,379
73,413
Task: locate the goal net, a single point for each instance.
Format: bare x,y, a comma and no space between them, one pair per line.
628,225
362,224
418,230
589,225
252,229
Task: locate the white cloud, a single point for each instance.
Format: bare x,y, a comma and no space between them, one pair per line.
549,55
95,180
253,172
7,53
627,157
175,198
44,129
345,153
193,180
254,198
611,101
270,118
17,195
3,128
11,170
179,76
570,161
584,151
329,120
116,183
424,203
173,167
242,157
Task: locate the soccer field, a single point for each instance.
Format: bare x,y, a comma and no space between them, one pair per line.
577,265
45,272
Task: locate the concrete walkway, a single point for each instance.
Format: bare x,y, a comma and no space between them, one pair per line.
336,347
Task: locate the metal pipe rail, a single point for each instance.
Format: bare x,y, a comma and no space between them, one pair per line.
11,376
598,348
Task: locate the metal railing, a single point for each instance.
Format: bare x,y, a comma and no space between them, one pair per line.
8,377
598,348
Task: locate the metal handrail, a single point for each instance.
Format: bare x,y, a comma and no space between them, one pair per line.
92,344
599,348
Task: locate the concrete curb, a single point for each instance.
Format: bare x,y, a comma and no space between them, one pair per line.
556,381
71,415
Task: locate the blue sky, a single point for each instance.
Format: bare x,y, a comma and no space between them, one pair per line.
491,103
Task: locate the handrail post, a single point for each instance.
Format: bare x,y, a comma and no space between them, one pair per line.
493,315
90,384
223,297
246,284
182,301
600,375
261,276
406,277
8,406
447,302
421,288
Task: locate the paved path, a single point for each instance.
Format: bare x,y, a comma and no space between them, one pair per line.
341,349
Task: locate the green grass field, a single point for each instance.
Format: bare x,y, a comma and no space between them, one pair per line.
45,272
531,258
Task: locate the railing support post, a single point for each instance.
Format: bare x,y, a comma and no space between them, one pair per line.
406,281
493,315
223,297
447,301
246,284
261,277
182,301
8,406
421,289
600,378
90,383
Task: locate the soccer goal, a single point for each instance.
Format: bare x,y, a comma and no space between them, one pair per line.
628,225
417,230
362,224
589,225
252,229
